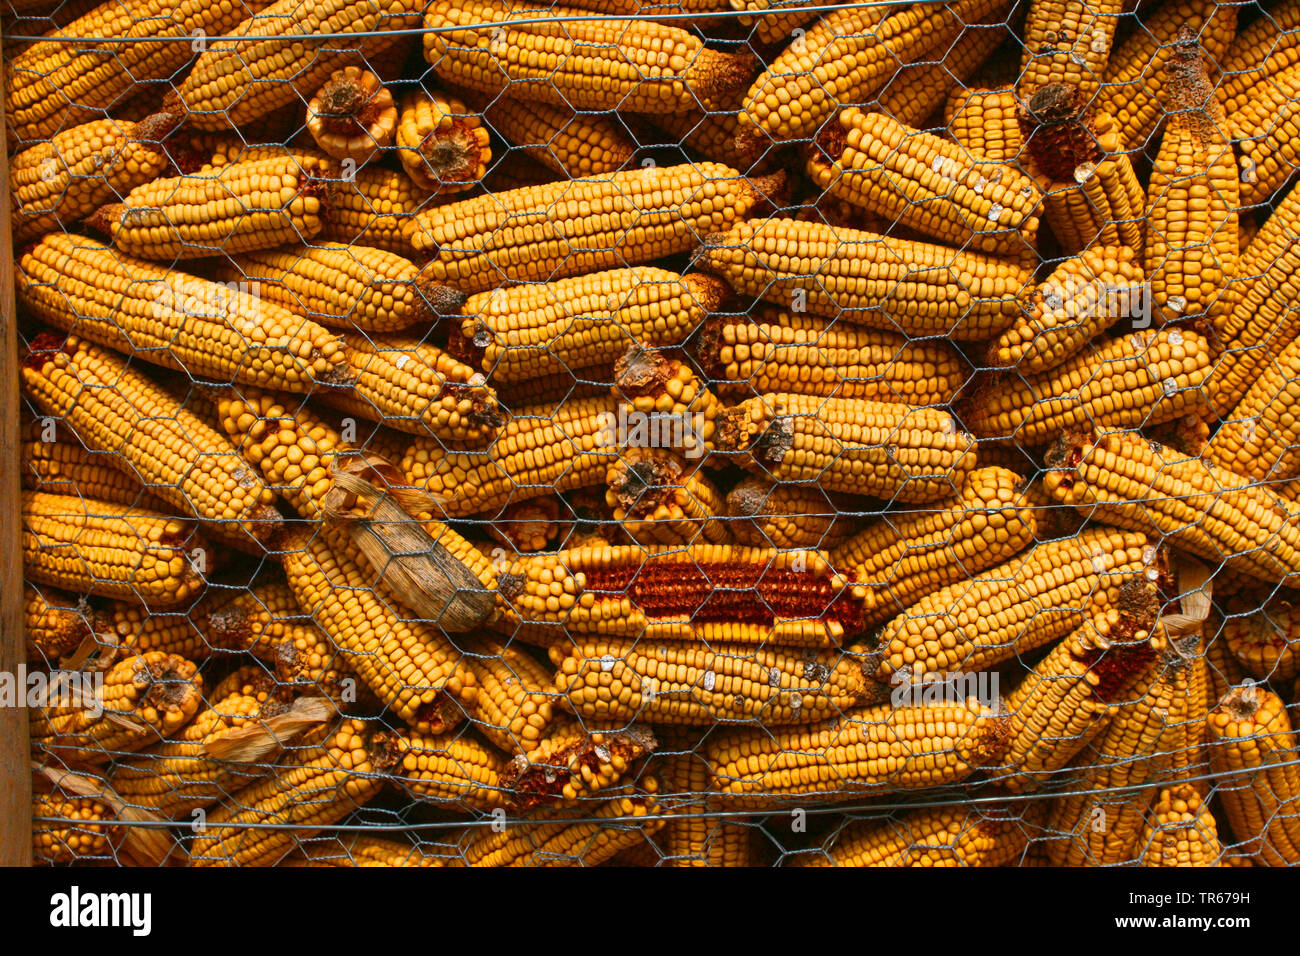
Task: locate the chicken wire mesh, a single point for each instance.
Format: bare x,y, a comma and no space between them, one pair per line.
699,434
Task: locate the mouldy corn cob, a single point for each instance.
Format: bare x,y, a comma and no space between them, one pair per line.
700,592
1260,437
522,332
890,451
766,514
581,226
178,456
570,143
145,698
1068,41
372,208
918,89
452,771
1192,199
1182,831
316,785
866,751
573,762
205,329
95,547
1265,125
1084,296
442,145
952,835
1127,481
1016,607
1252,753
1264,641
366,851
278,58
900,558
56,184
61,466
663,403
1140,379
85,833
353,116
1265,48
516,702
660,500
691,837
913,288
986,123
55,624
642,66
677,683
245,206
926,183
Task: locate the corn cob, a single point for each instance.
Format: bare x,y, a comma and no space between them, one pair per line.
246,206
371,208
1068,41
1185,684
1084,296
353,116
365,851
899,559
531,525
866,751
277,58
84,833
113,408
515,703
534,331
56,624
1192,199
1143,378
847,57
1182,831
700,592
1016,607
95,547
713,131
452,771
144,699
678,683
662,403
1192,505
922,181
573,762
442,144
59,82
1259,438
952,835
172,319
919,89
576,227
913,288
61,466
691,837
315,786
772,26
895,452
659,500
1251,752
1261,50
642,66
1265,126
570,143
766,514
410,666
985,123
1223,669
1263,641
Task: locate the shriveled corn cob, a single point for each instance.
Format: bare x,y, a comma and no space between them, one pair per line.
919,89
1016,607
96,547
524,332
515,703
1127,481
1084,296
442,144
570,143
913,288
1182,831
584,61
1263,49
899,559
986,123
692,837
1143,378
1252,751
245,206
866,751
1260,437
1068,41
1264,641
144,699
56,624
315,786
182,322
279,57
573,762
700,592
372,208
926,183
178,456
85,830
951,835
454,771
1193,196
660,500
353,116
366,851
575,227
767,514
678,683
61,466
890,451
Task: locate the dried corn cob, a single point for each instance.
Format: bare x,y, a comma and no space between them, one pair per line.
205,329
985,123
1016,607
912,288
653,390
1182,831
1143,378
1194,506
659,500
443,146
1263,642
575,227
1259,437
1265,127
353,116
1263,49
899,559
454,771
530,525
952,835
56,624
372,207
515,703
570,143
766,514
573,762
770,25
712,129
113,408
701,592
692,837
642,66
926,183
1068,41
84,833
316,785
1251,743
366,851
245,206
890,451
61,466
918,89
144,699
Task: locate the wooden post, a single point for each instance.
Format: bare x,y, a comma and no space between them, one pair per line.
15,768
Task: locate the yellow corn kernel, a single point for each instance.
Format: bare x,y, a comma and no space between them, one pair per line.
1182,831
918,89
767,514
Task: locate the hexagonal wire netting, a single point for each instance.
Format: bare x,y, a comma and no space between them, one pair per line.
710,433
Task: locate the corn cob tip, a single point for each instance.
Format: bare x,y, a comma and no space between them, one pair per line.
1241,704
1066,452
442,301
155,127
641,371
720,74
102,219
737,432
711,292
772,189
